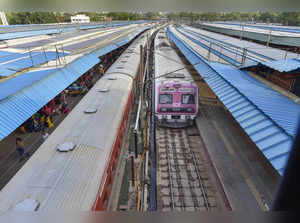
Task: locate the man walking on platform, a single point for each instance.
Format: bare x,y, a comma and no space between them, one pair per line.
20,148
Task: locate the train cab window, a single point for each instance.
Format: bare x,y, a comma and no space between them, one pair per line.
188,99
165,99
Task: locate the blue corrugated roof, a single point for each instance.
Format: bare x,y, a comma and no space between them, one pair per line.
19,63
278,107
16,108
22,34
7,56
253,105
288,65
5,72
17,83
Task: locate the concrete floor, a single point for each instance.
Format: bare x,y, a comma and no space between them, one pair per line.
246,182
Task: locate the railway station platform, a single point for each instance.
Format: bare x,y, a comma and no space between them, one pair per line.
245,180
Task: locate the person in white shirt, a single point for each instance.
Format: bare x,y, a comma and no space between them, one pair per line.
45,135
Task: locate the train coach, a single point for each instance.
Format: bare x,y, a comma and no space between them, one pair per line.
74,168
176,94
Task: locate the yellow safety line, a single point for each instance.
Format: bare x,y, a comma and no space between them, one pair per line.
242,169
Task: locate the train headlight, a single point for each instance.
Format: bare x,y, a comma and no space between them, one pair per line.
190,110
163,109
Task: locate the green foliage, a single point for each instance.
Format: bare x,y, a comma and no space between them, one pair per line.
286,18
33,17
128,16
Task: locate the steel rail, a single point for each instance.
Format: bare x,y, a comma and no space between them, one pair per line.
170,179
202,187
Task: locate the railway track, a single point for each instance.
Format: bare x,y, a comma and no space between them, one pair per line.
184,178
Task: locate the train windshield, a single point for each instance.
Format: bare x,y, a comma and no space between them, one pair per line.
188,99
165,99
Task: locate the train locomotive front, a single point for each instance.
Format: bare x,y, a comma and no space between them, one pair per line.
176,103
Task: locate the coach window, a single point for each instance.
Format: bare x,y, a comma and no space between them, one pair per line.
165,99
188,99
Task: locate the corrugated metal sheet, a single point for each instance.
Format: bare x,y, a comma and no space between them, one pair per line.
16,108
5,73
254,106
45,31
21,81
222,52
22,61
288,65
279,38
266,27
283,111
118,44
7,56
235,49
259,49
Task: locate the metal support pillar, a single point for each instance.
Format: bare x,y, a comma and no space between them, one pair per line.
132,170
244,56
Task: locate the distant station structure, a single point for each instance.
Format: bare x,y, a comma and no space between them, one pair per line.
80,18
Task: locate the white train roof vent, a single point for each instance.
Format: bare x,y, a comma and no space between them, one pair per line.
175,75
112,78
27,205
90,110
123,61
120,67
65,147
103,90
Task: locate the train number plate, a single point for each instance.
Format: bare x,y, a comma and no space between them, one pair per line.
175,116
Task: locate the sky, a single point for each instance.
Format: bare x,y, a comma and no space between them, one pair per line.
150,5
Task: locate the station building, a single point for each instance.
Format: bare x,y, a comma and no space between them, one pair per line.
80,18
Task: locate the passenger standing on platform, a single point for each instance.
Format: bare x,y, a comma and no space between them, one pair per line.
65,108
52,105
47,110
29,125
101,70
64,97
20,148
49,122
45,134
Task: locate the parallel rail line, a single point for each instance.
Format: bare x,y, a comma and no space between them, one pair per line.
184,183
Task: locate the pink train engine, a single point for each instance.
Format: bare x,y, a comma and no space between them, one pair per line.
176,93
176,103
